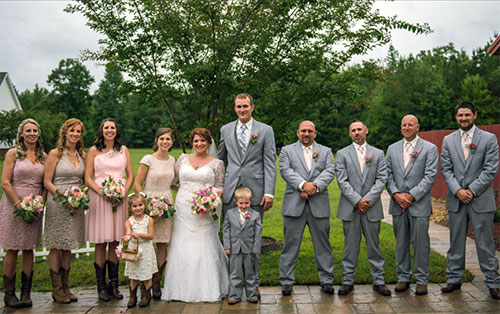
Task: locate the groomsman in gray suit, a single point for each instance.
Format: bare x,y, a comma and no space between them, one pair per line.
469,163
308,168
249,149
412,167
361,176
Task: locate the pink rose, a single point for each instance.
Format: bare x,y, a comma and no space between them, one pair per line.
213,196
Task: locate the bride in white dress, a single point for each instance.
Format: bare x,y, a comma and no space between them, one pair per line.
196,268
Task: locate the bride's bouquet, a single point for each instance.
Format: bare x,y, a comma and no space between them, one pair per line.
113,191
160,207
31,208
76,196
206,200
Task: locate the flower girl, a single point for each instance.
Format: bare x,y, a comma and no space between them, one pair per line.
139,227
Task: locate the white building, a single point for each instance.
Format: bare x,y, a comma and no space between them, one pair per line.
8,99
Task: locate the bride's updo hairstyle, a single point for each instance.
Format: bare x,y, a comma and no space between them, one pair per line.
201,132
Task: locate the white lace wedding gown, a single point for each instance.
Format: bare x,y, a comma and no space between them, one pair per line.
196,265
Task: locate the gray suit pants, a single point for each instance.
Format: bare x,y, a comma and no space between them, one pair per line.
242,265
352,235
320,234
415,230
482,226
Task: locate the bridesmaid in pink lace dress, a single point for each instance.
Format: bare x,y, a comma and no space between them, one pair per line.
22,175
157,173
108,157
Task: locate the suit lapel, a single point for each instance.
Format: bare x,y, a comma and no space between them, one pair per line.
418,149
355,160
458,146
234,140
475,139
399,156
369,153
313,162
300,154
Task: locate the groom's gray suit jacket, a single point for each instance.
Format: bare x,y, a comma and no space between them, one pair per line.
294,170
255,170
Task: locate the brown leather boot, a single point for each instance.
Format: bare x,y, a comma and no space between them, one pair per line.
113,280
132,301
9,287
26,282
156,281
145,298
58,294
102,292
64,280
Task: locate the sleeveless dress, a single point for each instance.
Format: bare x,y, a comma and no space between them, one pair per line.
104,225
145,266
160,177
63,231
15,233
196,268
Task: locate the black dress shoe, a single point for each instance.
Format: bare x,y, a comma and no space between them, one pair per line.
346,289
495,293
450,287
327,288
382,290
286,289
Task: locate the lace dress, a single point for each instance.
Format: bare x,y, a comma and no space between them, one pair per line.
63,231
196,266
15,233
104,225
160,177
145,266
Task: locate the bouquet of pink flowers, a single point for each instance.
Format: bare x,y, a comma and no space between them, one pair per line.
206,199
31,207
160,207
113,190
76,196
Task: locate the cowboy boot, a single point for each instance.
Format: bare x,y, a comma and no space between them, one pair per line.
58,294
9,287
132,301
113,280
26,282
64,280
100,273
156,281
145,297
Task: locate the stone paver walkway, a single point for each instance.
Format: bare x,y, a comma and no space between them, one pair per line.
472,298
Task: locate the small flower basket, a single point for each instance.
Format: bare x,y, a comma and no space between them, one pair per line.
124,253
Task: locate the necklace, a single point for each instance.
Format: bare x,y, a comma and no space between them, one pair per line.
69,154
196,166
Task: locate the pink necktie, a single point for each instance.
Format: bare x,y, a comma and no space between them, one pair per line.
406,155
362,160
307,157
465,145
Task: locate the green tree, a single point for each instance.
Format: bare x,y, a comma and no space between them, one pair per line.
198,54
70,83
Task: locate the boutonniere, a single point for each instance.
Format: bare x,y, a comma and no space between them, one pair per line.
414,155
247,217
254,138
315,156
472,147
368,160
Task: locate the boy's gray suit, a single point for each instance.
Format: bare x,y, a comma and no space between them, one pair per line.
477,174
315,212
412,224
243,240
355,186
255,170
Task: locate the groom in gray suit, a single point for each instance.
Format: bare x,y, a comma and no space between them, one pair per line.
469,164
412,167
308,168
248,148
361,176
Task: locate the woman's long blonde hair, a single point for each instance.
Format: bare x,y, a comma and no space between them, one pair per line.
21,147
67,125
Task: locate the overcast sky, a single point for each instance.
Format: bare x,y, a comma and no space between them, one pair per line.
36,35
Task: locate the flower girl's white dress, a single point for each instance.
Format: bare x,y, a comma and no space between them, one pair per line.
196,264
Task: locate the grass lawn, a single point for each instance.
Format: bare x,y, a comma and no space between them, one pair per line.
82,273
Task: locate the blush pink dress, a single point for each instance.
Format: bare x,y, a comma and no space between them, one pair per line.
104,225
15,233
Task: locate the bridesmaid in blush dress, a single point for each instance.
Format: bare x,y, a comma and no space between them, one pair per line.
105,227
22,175
157,173
64,225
